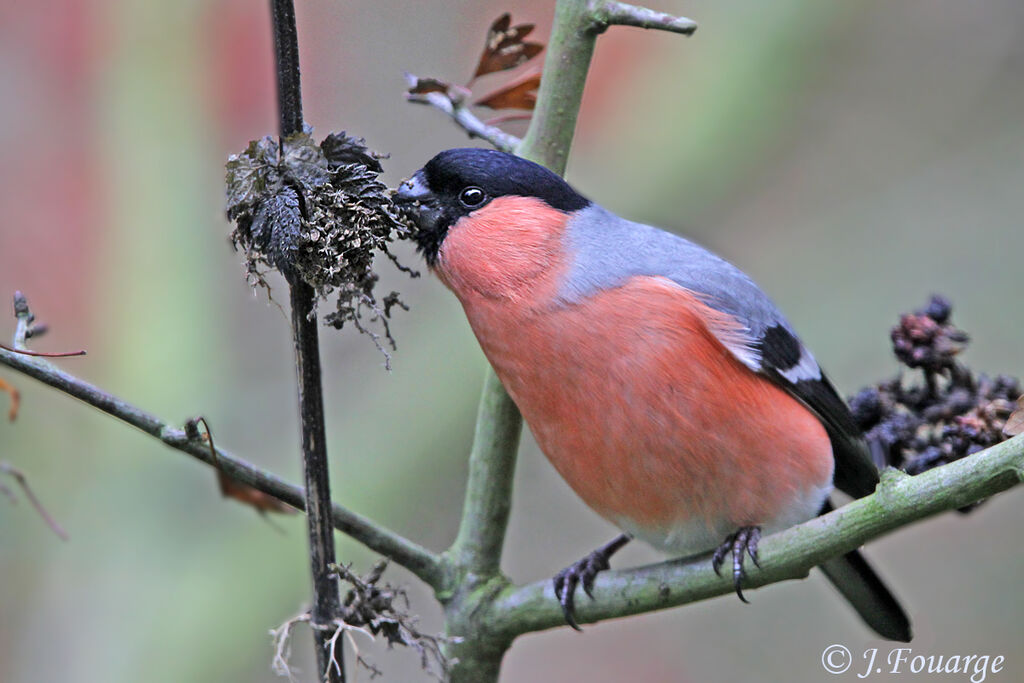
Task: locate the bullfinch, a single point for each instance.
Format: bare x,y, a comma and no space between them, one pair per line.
659,380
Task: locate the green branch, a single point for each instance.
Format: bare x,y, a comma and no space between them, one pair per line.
608,12
476,554
477,548
790,554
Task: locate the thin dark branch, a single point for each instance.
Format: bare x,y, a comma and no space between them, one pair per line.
19,476
408,554
286,53
326,597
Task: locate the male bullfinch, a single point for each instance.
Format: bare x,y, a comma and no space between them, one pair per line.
658,379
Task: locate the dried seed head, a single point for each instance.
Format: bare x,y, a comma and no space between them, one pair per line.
950,413
317,213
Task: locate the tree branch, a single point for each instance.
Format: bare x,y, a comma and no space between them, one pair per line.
492,461
466,119
22,481
326,595
898,501
477,550
609,12
413,557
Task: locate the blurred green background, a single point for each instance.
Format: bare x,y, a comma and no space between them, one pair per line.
852,157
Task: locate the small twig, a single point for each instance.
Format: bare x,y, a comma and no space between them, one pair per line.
41,354
411,272
281,638
360,660
608,13
340,627
467,120
19,476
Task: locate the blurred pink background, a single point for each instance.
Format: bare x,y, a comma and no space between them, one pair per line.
852,157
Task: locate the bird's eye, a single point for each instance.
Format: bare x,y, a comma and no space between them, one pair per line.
472,197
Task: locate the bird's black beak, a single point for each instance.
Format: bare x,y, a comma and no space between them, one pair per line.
413,189
415,199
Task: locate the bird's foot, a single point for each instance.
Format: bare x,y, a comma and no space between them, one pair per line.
583,573
745,540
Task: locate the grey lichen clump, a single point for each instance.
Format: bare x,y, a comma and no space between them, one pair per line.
317,213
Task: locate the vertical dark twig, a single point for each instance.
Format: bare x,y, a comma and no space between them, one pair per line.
326,600
286,54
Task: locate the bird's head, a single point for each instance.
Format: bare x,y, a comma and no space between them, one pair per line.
458,183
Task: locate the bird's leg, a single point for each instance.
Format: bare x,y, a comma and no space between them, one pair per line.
583,572
745,540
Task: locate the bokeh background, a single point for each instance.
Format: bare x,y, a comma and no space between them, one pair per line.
853,157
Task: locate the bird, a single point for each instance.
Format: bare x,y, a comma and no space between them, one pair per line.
658,379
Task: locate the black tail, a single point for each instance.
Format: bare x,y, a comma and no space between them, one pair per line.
863,589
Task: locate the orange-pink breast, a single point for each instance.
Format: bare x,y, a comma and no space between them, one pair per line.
648,417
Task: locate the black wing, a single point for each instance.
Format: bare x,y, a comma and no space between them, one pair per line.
780,354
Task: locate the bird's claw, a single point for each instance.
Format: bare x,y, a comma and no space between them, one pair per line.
578,573
743,541
583,573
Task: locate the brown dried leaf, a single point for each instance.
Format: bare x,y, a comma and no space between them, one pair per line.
11,391
243,493
232,488
521,94
505,48
1015,423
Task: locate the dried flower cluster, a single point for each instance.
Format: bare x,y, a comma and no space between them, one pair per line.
949,414
317,213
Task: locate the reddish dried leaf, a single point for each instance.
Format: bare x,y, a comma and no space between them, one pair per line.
232,488
1015,423
521,94
11,391
505,48
500,24
243,493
